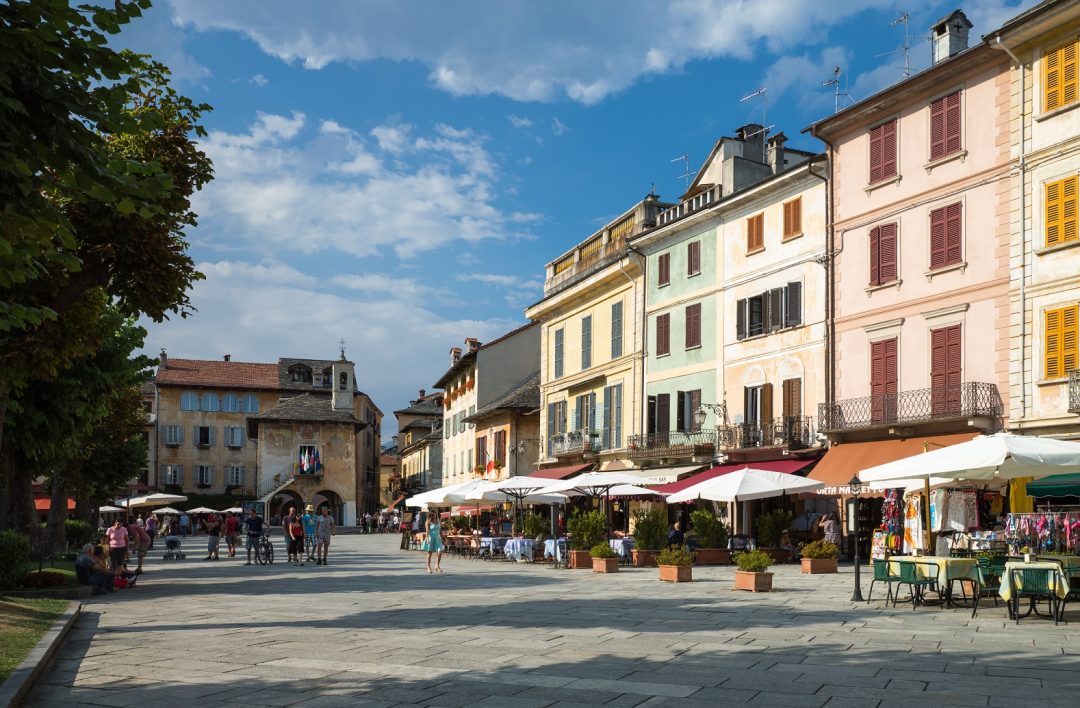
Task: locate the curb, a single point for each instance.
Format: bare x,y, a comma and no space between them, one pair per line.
19,683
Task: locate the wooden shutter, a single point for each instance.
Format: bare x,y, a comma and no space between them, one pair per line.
755,232
883,152
792,398
680,411
793,305
663,413
663,269
663,331
693,325
875,154
1061,341
550,421
883,380
740,319
558,363
1059,70
616,330
875,255
775,306
945,370
1061,211
887,253
605,424
650,418
586,342
616,414
1069,338
693,258
945,126
766,410
953,232
937,238
793,217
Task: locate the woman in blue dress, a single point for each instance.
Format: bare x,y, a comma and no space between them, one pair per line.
433,540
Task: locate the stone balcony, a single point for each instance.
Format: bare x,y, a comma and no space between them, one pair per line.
938,404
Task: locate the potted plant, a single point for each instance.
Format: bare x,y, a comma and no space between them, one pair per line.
751,574
712,539
769,528
676,564
819,557
650,535
586,530
604,559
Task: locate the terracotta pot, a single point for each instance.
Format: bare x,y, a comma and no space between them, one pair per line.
754,582
644,559
814,566
605,565
676,573
580,559
712,556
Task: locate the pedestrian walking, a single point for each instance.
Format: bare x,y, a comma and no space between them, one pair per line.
151,529
253,526
232,529
118,541
309,531
367,522
213,537
294,530
185,525
138,544
433,542
324,529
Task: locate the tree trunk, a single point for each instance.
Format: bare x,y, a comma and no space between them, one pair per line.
57,536
16,494
83,508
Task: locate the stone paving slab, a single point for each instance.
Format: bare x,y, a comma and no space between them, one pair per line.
373,629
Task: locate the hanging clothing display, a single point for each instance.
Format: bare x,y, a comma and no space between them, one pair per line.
938,502
913,525
1044,532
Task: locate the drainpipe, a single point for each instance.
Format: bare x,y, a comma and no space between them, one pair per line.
829,308
640,418
998,44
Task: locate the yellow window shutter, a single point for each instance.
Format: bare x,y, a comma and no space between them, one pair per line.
1069,317
1053,213
1053,345
1068,209
1068,74
1051,75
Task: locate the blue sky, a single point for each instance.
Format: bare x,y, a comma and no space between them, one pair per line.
397,173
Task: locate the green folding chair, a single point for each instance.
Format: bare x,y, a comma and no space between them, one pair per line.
881,572
909,575
1035,584
989,582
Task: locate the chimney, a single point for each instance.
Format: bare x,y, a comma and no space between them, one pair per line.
472,343
950,35
776,152
164,359
752,137
228,357
422,393
455,354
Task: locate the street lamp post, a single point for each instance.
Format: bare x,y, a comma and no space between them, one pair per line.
856,488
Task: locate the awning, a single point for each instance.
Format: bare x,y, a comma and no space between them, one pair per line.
662,475
45,504
786,466
396,503
1058,485
467,511
843,461
560,472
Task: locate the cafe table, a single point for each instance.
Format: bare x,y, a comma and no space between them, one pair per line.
519,549
622,546
1058,577
948,570
555,549
490,545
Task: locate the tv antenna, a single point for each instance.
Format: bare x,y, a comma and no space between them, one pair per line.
686,175
842,96
764,123
904,20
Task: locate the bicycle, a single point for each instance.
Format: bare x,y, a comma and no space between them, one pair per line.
264,550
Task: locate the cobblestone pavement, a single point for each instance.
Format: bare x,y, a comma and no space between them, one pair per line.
373,629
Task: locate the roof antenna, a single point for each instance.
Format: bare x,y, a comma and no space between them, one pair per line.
764,123
904,20
686,175
842,97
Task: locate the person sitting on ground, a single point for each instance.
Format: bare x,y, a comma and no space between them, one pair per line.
785,544
123,574
676,537
90,571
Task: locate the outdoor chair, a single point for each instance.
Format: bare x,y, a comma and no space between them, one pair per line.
989,583
1035,584
909,575
881,572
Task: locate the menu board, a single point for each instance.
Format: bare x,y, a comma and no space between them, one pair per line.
877,545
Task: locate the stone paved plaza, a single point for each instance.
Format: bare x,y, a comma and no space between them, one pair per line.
373,629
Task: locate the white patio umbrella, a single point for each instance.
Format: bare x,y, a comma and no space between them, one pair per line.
109,509
202,510
233,509
745,485
592,483
167,510
443,496
630,490
520,488
153,500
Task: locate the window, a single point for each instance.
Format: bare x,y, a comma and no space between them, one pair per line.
299,374
204,436
1059,76
883,152
755,233
757,406
883,254
611,425
945,370
792,391
1061,208
189,401
616,330
210,402
461,422
234,436
173,474
556,421
307,460
249,403
448,426
883,380
586,342
945,225
663,334
793,218
693,258
770,311
693,326
174,435
558,353
687,403
500,448
472,412
945,126
1061,341
481,451
230,403
204,475
585,412
663,270
659,417
234,475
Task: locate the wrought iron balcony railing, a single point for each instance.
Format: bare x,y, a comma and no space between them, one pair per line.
792,432
965,400
574,442
674,443
1074,391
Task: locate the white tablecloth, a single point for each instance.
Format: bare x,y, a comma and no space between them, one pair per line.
520,548
622,546
549,548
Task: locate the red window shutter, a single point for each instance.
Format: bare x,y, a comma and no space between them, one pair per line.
663,344
945,370
693,258
953,225
883,380
937,238
952,123
663,266
875,255
693,325
888,150
937,128
887,253
876,154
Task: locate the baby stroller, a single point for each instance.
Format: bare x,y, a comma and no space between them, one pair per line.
173,549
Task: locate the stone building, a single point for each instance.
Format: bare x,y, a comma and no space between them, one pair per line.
419,438
507,432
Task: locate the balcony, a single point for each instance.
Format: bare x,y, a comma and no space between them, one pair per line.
940,403
676,443
1074,391
689,206
791,432
587,260
575,442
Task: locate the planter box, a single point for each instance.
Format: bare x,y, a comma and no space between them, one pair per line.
605,565
814,566
754,582
712,556
644,559
579,559
676,573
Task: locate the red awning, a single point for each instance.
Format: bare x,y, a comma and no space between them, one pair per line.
785,466
45,504
560,472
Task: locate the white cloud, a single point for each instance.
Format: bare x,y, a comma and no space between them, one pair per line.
558,127
259,80
282,186
519,121
156,33
506,281
406,289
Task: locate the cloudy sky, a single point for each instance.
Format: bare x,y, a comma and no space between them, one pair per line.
397,173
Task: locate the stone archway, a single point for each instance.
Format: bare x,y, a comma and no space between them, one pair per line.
326,497
281,502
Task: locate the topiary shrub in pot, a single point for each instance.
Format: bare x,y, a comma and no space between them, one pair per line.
604,559
819,557
751,574
650,535
712,539
676,564
586,529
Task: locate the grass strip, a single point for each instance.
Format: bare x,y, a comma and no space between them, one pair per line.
23,621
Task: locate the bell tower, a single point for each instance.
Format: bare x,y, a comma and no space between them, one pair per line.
344,383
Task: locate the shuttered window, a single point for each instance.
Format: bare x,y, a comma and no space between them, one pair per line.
883,366
663,413
883,254
883,152
945,126
558,364
663,270
945,232
945,370
663,334
793,305
687,404
755,233
693,325
693,258
500,447
586,342
1061,341
793,218
1061,211
616,330
792,398
1059,76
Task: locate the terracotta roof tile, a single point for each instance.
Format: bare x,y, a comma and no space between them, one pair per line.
231,374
